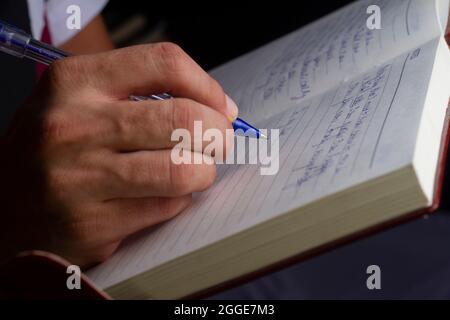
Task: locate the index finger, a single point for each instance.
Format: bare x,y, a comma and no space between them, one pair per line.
154,69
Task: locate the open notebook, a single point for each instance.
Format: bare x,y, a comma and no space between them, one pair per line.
361,114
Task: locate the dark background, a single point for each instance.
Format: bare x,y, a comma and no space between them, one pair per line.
216,31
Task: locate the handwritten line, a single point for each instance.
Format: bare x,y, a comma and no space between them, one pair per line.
407,17
370,121
387,114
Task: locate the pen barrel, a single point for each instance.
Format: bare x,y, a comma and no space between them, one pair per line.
18,43
12,40
42,52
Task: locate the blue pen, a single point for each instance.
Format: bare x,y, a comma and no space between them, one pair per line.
20,44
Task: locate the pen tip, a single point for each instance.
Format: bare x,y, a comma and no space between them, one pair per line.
262,136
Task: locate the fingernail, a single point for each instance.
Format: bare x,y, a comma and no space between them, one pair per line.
232,109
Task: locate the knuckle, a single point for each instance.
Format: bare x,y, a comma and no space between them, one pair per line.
128,121
128,172
169,49
54,128
183,114
180,178
171,56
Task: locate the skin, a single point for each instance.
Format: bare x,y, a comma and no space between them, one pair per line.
83,167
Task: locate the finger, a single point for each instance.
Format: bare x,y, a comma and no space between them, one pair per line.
155,174
149,69
152,125
126,216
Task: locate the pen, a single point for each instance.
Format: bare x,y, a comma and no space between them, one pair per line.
20,44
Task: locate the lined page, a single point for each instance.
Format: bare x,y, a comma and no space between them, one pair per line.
361,129
316,58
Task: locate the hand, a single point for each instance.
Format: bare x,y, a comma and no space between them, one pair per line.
83,167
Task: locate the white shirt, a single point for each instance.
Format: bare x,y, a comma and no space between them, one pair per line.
55,12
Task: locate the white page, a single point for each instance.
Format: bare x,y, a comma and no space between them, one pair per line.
313,59
443,10
361,129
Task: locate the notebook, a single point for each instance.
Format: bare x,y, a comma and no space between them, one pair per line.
361,114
